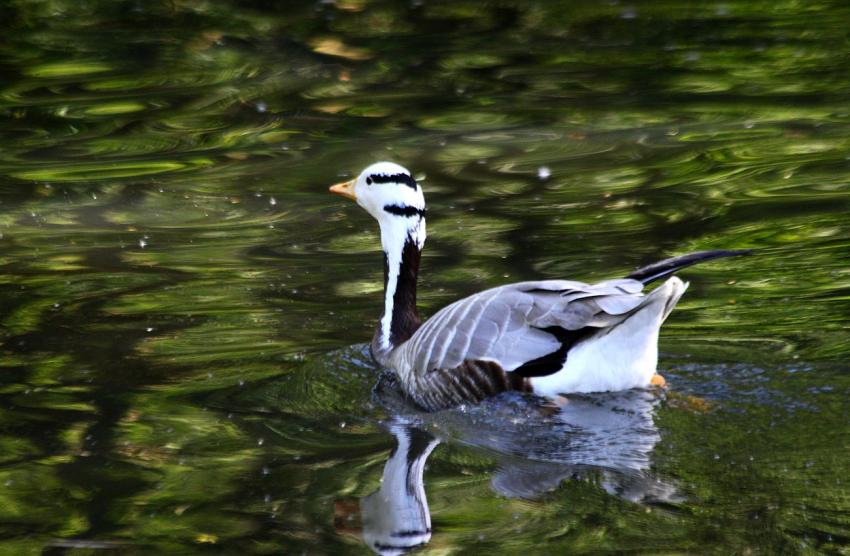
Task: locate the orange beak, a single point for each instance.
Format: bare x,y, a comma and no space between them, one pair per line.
346,189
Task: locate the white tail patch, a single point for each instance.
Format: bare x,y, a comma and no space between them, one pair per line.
620,357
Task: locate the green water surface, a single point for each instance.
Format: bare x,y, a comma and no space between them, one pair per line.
183,307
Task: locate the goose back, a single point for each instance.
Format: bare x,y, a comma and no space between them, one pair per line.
484,343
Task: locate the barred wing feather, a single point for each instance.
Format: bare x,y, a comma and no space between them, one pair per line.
507,325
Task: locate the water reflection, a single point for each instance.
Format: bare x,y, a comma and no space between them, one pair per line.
610,436
395,517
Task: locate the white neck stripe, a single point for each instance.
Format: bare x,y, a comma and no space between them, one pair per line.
395,232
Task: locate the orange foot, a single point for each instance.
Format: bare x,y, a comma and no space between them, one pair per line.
553,405
347,517
693,404
658,380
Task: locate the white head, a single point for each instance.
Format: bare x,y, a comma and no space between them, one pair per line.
390,194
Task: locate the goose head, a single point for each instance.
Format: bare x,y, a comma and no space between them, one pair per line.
390,194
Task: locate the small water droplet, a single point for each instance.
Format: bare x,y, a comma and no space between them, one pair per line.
262,107
544,173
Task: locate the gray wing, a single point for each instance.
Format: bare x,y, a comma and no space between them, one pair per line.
506,324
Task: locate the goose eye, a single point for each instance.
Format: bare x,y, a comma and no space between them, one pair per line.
368,181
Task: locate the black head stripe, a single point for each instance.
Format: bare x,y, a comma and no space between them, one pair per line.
406,179
404,210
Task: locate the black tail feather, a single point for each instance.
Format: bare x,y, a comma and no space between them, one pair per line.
669,266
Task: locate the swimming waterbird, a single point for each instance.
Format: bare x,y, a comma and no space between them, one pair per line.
548,337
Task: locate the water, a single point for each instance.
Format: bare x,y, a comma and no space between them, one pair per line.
184,306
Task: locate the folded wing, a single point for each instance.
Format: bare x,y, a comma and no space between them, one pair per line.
517,324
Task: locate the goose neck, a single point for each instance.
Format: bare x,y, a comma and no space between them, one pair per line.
400,318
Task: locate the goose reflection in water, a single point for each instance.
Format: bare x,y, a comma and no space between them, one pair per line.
395,517
536,447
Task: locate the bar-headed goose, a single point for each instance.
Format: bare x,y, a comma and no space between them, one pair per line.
548,337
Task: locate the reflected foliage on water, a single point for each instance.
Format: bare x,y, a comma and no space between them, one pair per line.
176,285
